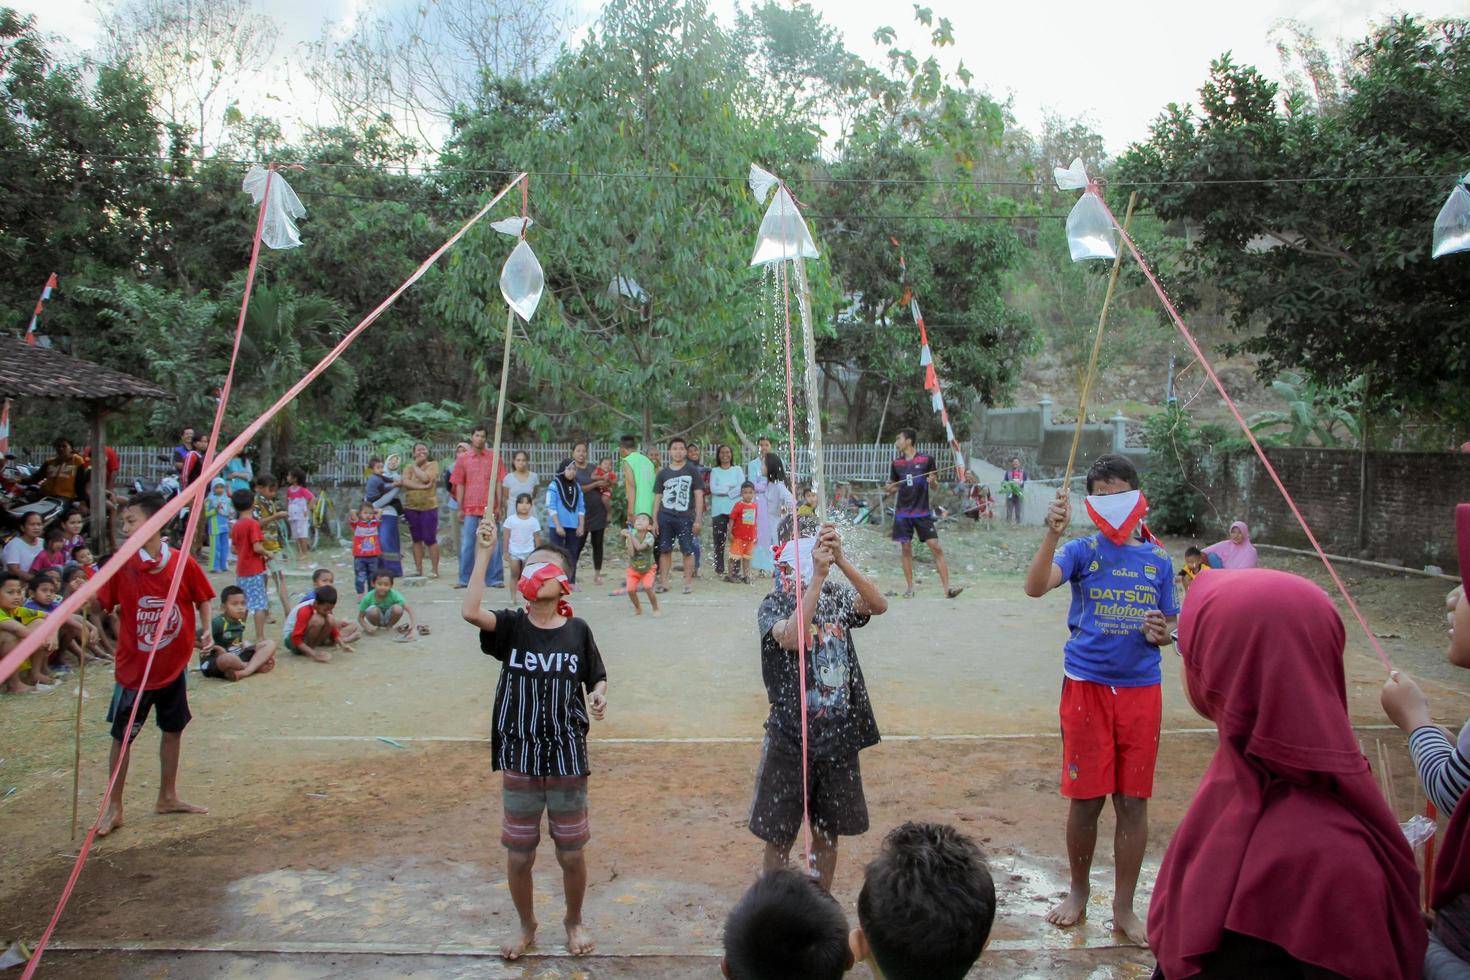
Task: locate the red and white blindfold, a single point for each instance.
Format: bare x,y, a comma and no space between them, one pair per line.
1117,515
537,574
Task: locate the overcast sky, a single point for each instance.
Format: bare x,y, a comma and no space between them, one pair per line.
1115,66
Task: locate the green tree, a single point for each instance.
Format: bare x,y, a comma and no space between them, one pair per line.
1331,275
1314,415
655,89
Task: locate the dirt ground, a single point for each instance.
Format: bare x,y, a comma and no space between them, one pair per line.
354,818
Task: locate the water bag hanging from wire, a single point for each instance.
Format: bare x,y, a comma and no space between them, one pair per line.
1452,227
278,225
521,280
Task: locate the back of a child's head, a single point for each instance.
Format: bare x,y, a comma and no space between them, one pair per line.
242,500
265,481
927,903
326,595
1112,466
786,927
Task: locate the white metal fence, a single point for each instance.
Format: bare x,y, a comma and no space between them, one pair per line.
345,464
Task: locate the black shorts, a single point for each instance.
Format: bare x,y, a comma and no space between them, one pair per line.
671,526
172,703
904,528
838,806
209,668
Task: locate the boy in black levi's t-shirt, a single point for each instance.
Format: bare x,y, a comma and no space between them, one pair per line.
552,683
839,716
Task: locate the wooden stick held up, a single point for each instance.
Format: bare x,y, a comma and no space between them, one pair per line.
76,774
1102,322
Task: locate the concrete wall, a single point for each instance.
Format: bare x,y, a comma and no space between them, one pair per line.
1402,512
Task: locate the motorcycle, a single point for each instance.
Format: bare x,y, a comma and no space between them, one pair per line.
20,496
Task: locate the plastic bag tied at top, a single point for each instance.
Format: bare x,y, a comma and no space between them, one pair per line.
521,280
1072,178
1452,227
278,230
1089,230
783,233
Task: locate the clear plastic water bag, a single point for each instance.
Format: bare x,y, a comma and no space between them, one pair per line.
783,233
761,182
1090,231
512,226
283,207
1452,227
1418,829
521,281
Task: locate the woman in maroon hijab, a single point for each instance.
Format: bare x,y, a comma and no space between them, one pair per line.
1289,862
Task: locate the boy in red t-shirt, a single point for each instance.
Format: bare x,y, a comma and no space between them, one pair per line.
742,534
367,547
138,592
247,540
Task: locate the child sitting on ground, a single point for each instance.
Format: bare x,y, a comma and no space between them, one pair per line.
384,606
16,622
53,552
346,628
840,721
298,511
786,927
43,595
230,658
640,544
743,530
220,512
926,907
1194,563
311,627
100,645
252,554
1122,604
366,545
551,679
522,536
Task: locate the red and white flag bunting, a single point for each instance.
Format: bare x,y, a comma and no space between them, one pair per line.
926,361
30,339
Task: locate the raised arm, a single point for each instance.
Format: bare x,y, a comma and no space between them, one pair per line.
787,633
469,608
871,601
1044,574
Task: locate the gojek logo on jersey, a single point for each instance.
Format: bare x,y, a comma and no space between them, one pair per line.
150,610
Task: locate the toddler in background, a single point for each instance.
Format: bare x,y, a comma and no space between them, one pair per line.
298,510
219,511
640,542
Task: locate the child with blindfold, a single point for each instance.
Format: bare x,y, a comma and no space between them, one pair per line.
1123,603
552,682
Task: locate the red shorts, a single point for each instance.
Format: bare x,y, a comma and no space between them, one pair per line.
1110,739
562,798
635,580
742,550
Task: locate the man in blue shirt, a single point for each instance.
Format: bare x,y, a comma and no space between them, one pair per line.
909,477
1123,603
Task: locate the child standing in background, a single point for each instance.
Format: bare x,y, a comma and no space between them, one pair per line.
743,518
640,542
366,548
298,510
272,519
522,536
219,510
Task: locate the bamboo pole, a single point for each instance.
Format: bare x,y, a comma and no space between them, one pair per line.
813,387
1102,322
495,474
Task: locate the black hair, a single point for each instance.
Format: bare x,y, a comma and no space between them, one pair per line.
148,503
679,439
1191,551
1111,466
747,483
319,573
327,594
71,571
300,476
6,575
229,592
810,525
242,500
563,555
381,573
628,442
721,447
265,480
775,469
523,496
371,462
54,533
84,546
37,580
479,427
927,903
786,927
909,434
63,441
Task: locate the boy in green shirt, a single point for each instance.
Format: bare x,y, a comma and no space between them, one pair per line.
383,606
230,658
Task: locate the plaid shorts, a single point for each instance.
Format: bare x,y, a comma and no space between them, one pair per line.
257,599
564,798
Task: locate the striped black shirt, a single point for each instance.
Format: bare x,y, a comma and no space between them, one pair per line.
539,725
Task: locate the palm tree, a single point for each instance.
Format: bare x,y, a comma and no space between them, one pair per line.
286,334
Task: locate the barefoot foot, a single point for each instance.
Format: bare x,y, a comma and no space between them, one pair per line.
516,948
1071,911
1129,924
111,820
579,940
173,804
